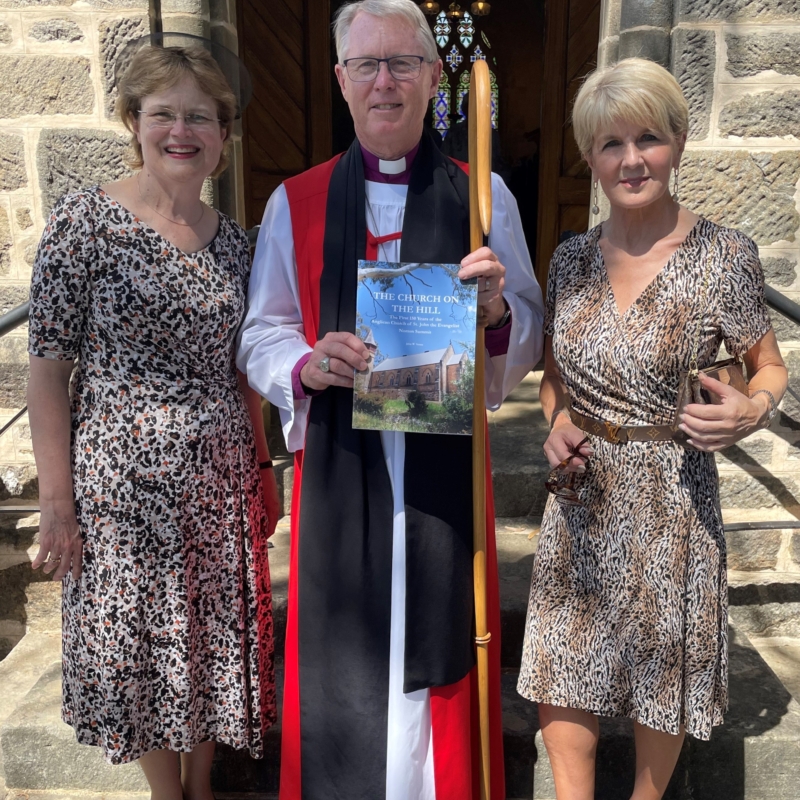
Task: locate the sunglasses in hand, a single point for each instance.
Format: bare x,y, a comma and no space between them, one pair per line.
561,483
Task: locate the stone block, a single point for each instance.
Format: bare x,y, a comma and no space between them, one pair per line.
114,35
12,163
69,159
56,30
753,551
693,62
753,192
5,243
34,84
199,7
785,329
183,23
752,453
29,253
31,3
223,35
789,416
24,218
766,608
114,5
224,11
774,114
650,43
653,13
6,35
794,549
736,10
19,482
14,583
739,490
749,54
779,271
12,296
13,371
35,727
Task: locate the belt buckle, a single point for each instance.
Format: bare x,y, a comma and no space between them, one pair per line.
613,433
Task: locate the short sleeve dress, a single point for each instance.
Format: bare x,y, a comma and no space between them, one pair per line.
167,634
628,605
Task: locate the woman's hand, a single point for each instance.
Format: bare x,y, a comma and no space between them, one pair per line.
272,503
60,542
561,444
484,265
713,427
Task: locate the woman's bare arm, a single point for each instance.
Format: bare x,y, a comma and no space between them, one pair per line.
60,543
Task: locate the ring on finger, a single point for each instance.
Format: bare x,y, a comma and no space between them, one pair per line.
487,285
53,560
325,364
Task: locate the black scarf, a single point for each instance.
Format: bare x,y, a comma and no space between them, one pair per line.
346,514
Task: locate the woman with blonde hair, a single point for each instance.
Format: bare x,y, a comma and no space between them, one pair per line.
157,507
627,614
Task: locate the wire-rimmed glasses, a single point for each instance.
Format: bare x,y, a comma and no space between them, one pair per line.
561,483
166,118
401,68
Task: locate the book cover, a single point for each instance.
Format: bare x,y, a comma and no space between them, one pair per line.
418,323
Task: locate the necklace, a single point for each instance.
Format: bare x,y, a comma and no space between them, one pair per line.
164,216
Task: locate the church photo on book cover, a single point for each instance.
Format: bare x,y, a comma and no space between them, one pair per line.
417,322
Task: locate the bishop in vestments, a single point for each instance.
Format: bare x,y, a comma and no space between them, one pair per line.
380,697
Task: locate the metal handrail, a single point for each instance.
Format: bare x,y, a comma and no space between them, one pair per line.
14,318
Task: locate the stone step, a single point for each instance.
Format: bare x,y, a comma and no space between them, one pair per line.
755,755
42,754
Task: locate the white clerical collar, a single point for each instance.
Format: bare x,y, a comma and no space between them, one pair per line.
392,167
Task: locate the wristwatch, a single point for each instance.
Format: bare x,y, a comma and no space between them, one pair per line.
773,407
502,321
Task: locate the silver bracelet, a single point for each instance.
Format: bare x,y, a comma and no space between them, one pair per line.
773,406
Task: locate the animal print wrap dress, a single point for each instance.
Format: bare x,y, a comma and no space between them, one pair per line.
628,605
167,634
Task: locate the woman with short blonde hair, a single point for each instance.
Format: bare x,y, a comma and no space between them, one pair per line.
627,614
157,508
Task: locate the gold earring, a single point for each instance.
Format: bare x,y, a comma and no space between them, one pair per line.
675,194
595,207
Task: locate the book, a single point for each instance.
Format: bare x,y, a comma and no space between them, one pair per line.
418,324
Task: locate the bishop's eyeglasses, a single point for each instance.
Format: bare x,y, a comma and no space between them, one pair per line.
401,68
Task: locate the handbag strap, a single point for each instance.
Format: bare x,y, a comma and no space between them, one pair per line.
693,370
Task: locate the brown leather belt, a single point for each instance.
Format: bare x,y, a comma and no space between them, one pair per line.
619,434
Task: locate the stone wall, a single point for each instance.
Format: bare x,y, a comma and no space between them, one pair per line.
57,133
738,62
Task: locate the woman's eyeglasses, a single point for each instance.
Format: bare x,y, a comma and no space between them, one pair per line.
164,118
561,483
401,68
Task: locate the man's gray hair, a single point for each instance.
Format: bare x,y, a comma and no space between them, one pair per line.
406,10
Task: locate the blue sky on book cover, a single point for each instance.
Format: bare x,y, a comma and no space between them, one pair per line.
418,321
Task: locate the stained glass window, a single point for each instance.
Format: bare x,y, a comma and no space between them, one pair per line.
441,30
454,58
477,54
495,99
441,106
465,47
466,30
463,88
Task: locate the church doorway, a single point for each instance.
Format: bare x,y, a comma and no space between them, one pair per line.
538,52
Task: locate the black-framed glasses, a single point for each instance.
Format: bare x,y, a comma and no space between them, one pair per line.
561,483
166,118
401,68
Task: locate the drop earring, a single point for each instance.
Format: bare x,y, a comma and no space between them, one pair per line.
595,206
675,193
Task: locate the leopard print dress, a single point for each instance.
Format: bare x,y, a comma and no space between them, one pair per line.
167,634
628,605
